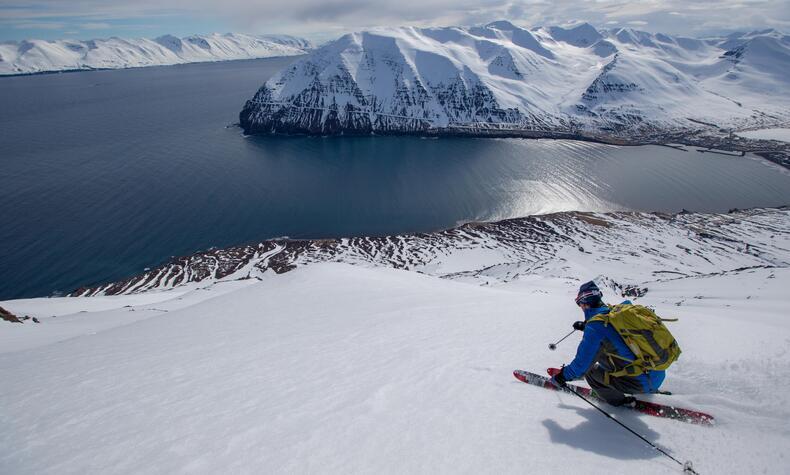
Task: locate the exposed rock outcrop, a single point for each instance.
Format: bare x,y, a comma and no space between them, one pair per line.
683,244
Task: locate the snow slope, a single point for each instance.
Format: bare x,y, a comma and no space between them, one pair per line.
33,56
768,134
501,76
339,368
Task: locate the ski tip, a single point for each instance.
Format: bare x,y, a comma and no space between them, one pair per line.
706,420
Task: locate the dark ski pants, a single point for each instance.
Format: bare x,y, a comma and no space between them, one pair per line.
613,393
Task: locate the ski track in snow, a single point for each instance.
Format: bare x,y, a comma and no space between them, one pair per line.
337,368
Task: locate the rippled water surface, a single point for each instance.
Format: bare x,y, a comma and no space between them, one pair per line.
105,173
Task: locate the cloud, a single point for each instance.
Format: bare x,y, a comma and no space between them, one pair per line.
332,17
95,26
39,25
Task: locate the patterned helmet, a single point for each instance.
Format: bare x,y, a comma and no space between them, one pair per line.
589,294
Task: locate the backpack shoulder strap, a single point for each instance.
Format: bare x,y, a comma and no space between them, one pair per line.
604,317
601,317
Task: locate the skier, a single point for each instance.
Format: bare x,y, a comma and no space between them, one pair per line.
602,351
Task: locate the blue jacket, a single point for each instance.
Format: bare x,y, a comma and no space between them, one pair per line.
597,334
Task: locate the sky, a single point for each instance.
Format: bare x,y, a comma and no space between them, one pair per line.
326,19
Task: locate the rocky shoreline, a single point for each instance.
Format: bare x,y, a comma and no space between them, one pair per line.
773,150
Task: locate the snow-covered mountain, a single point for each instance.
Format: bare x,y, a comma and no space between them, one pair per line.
339,368
33,56
503,77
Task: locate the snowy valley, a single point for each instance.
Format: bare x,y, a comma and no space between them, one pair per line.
394,355
36,56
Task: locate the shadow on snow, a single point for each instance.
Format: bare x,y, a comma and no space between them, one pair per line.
599,435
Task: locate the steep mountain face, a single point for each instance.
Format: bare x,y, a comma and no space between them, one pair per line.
32,56
503,77
667,246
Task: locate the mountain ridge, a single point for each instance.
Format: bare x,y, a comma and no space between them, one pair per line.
41,56
572,81
689,244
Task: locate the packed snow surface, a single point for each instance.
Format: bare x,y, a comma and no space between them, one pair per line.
768,134
34,56
340,368
502,76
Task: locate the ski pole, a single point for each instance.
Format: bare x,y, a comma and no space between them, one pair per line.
553,346
687,467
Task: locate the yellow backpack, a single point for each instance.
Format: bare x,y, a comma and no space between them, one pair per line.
645,334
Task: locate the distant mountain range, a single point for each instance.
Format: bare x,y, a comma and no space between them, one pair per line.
35,56
503,78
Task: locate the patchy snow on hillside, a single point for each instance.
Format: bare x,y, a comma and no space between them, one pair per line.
682,244
340,368
34,56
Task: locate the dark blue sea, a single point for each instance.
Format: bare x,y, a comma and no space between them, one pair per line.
106,173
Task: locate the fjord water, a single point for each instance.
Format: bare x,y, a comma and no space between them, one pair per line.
105,173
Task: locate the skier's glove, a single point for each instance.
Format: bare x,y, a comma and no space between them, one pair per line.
578,326
559,380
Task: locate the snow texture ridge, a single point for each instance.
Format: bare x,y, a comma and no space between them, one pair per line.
571,81
35,56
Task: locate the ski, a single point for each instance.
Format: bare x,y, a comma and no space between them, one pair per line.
644,407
